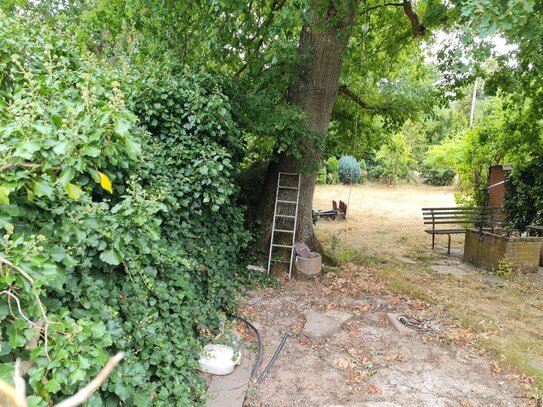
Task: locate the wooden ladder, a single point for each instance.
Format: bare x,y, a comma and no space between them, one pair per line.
288,204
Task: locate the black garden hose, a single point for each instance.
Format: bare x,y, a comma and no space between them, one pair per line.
258,361
414,324
272,360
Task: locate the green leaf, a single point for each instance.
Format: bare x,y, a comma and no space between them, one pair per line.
26,149
121,390
15,333
43,188
6,373
98,330
66,176
61,147
112,257
105,117
35,401
92,150
133,148
121,127
73,191
52,386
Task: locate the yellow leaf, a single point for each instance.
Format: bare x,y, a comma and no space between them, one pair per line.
4,196
105,182
73,191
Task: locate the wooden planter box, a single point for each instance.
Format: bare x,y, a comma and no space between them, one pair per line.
488,249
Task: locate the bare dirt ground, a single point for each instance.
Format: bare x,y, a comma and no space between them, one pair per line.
367,363
484,332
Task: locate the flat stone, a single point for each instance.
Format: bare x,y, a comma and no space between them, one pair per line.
493,281
398,326
254,300
229,390
455,270
340,316
406,260
257,268
319,326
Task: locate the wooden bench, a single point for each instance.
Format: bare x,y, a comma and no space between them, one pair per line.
337,212
341,210
480,216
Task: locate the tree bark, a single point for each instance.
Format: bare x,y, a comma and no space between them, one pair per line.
321,47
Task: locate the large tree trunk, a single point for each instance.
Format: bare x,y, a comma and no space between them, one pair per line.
321,47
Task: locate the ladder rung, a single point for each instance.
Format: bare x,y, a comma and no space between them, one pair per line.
280,261
290,202
285,216
284,231
288,173
282,245
282,187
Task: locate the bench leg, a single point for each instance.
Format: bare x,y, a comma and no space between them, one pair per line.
433,241
449,247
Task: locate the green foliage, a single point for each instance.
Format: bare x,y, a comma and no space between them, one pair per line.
523,198
348,169
332,169
438,166
321,176
394,159
113,188
438,176
363,171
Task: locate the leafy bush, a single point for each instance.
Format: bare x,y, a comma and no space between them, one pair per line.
363,171
332,168
125,232
348,170
394,159
523,198
439,163
438,176
321,176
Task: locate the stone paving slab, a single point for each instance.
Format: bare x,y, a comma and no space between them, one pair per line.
341,316
444,269
229,390
494,281
319,326
406,260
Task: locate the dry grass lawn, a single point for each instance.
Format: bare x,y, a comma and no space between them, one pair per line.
384,227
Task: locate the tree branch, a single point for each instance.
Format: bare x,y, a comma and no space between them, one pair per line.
25,165
14,165
276,6
383,5
418,28
355,98
83,395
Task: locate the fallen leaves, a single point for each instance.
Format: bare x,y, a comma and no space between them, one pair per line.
494,367
344,363
394,356
460,337
373,389
355,281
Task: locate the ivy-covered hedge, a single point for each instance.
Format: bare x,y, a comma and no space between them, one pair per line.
524,194
116,200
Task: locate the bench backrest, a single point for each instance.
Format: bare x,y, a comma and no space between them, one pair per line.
343,207
488,216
